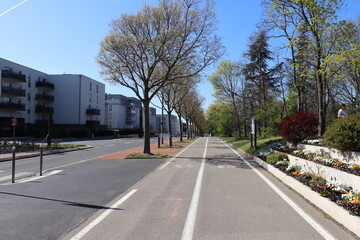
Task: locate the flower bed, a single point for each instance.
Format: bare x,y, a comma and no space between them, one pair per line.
336,211
349,166
336,191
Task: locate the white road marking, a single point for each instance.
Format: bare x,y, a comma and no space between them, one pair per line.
326,235
1,171
102,216
167,163
111,145
191,217
36,178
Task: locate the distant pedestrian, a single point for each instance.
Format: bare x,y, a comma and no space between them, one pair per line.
341,112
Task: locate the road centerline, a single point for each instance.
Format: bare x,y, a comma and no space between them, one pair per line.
191,217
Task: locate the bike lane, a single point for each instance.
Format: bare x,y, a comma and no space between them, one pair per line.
208,192
240,200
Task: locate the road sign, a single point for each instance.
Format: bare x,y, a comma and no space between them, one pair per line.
14,122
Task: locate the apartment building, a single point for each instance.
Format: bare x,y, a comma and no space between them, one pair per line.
175,124
29,96
123,114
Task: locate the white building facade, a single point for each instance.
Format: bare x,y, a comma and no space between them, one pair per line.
124,114
30,96
175,124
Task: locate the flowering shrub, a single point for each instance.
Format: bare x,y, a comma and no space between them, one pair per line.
344,134
275,157
298,126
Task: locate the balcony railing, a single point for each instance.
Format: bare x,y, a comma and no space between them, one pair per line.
44,97
45,85
39,109
13,76
9,91
7,106
92,111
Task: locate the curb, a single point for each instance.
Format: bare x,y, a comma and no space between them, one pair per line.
338,213
37,154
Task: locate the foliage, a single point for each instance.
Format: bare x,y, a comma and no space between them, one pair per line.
298,126
344,134
275,157
220,120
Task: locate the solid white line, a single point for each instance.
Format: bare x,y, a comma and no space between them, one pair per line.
191,217
167,163
301,212
102,216
36,178
111,145
13,7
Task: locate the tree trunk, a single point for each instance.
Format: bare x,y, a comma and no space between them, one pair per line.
146,104
181,128
169,128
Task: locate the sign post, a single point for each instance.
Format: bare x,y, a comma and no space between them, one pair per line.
14,122
253,132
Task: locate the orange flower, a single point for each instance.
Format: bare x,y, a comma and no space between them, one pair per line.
356,200
296,173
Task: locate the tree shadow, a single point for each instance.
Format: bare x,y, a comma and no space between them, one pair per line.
69,203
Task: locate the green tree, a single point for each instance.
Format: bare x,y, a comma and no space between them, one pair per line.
226,81
156,46
219,119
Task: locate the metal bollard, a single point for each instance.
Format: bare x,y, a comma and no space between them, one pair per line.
41,158
13,164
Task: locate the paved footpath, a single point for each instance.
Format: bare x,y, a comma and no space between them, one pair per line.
209,191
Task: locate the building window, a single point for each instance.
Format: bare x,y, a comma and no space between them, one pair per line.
97,88
28,111
90,86
29,97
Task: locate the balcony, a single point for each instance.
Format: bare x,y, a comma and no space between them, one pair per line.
12,92
39,109
44,97
8,106
92,111
11,76
92,123
45,86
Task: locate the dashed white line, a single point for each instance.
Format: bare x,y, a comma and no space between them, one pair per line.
102,216
191,217
167,163
326,235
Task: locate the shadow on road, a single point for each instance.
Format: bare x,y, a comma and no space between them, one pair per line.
83,205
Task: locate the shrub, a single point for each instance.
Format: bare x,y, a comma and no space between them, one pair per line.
276,157
297,127
344,134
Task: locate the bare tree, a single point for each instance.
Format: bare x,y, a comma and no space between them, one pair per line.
153,48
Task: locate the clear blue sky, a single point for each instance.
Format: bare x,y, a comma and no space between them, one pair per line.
62,36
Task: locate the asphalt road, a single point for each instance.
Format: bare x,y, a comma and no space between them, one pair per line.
99,148
209,192
49,207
